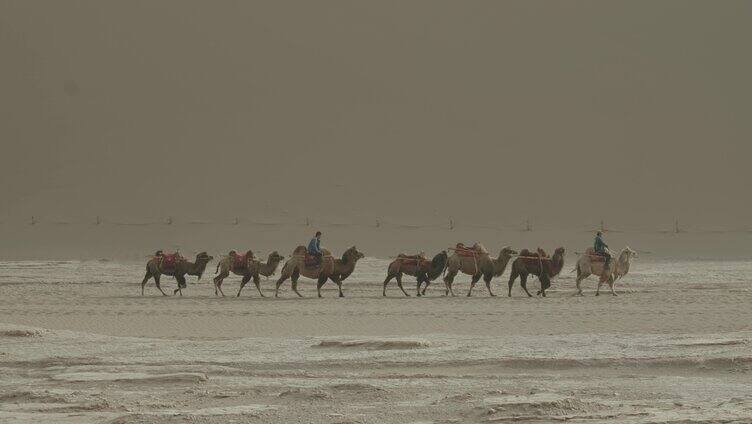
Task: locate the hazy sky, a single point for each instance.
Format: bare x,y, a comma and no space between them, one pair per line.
637,111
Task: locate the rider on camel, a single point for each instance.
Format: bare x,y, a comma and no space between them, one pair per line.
314,247
601,248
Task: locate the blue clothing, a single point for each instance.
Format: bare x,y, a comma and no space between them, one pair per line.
314,246
600,245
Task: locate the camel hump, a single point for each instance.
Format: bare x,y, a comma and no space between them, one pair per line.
406,256
542,253
527,252
476,249
590,251
242,261
169,260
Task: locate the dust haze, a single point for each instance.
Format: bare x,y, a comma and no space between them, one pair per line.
563,113
398,127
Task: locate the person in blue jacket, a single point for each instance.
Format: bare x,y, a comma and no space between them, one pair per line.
314,247
601,248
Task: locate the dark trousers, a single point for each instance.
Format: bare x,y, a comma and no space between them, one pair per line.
607,257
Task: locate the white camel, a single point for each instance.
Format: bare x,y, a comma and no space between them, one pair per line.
591,264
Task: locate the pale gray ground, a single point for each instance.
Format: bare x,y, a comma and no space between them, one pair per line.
79,345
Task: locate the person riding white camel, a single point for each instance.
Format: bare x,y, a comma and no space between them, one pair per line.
601,248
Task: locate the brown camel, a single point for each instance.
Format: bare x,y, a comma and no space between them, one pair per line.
592,264
329,269
532,263
416,266
176,266
247,267
477,264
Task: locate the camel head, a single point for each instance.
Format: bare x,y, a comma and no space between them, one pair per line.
438,264
559,252
274,256
352,254
441,256
203,257
440,260
629,253
507,252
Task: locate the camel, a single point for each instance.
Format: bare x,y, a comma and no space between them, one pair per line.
247,268
531,263
478,265
330,268
589,264
155,268
416,266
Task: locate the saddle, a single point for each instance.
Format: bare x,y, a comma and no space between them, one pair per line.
595,256
311,261
464,251
419,259
170,260
241,261
533,256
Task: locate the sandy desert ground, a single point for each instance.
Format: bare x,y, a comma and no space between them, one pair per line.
79,344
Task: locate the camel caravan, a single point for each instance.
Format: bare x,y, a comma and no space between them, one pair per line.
319,264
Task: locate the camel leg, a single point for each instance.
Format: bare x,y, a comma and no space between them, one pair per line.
513,276
294,279
487,279
425,287
448,280
338,282
257,282
419,283
218,282
523,283
472,284
545,283
320,283
181,283
147,277
281,280
246,279
399,284
580,276
598,290
156,281
386,281
611,285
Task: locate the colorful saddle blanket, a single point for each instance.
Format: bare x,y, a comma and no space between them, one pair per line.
170,260
242,261
595,256
311,261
